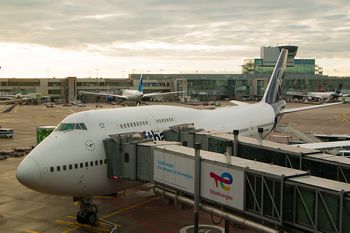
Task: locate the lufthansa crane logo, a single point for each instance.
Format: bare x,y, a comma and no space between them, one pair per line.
225,178
90,145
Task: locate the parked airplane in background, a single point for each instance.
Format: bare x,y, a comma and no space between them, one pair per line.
71,161
320,96
324,145
11,99
133,95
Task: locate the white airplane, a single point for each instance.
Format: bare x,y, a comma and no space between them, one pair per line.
71,161
133,95
324,145
320,96
11,99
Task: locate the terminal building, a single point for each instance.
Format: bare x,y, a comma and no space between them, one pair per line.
302,75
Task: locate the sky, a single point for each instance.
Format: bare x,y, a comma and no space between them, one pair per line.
111,39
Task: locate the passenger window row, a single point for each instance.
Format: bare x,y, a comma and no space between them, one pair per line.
79,165
165,120
133,124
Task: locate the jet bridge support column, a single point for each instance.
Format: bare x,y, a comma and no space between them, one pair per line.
235,142
218,212
197,179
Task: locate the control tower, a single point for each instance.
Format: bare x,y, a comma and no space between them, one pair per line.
269,55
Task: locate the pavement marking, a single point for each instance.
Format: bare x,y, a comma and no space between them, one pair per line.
128,208
30,231
77,226
70,229
103,197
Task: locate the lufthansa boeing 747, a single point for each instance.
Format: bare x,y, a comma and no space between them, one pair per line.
71,161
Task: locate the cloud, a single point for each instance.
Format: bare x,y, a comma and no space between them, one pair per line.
201,29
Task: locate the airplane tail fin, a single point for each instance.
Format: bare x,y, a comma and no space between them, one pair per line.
338,91
336,94
140,84
274,88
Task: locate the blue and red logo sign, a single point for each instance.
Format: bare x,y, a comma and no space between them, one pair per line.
225,178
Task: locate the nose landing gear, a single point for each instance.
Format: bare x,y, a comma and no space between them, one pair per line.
87,213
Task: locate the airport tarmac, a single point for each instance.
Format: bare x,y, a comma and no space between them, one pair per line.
136,210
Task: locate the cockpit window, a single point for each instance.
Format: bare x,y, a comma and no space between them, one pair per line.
71,126
83,127
65,127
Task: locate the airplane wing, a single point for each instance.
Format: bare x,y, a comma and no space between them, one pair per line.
324,145
12,101
102,94
7,97
290,110
294,94
238,103
161,93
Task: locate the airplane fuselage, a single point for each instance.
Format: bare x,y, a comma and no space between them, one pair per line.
132,94
72,162
322,95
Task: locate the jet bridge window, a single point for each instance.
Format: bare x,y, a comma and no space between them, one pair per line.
126,157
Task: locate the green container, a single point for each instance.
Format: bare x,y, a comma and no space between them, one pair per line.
42,132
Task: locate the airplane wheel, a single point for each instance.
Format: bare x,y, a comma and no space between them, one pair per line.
90,218
93,208
80,217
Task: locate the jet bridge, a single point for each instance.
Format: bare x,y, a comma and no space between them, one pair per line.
129,157
318,163
261,196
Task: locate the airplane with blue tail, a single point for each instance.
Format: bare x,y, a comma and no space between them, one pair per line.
133,95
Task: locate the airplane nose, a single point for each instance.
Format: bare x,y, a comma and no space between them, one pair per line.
28,173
